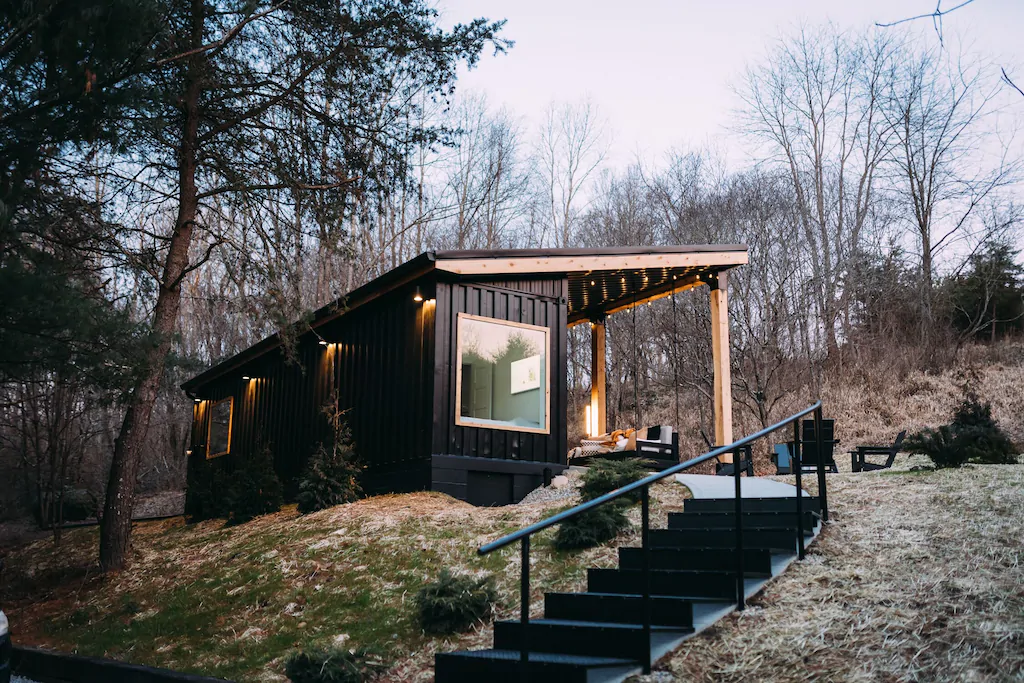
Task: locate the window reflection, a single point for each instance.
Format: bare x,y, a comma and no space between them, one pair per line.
503,382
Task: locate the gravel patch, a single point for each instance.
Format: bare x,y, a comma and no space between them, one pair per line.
548,494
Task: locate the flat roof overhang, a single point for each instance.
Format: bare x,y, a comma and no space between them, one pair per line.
602,281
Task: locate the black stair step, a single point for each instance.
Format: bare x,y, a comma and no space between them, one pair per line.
727,520
770,539
502,666
750,504
587,638
756,561
680,583
618,608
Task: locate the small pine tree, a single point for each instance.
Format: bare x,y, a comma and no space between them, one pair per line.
604,523
330,478
591,528
454,603
332,475
607,475
254,488
204,497
981,438
941,445
333,665
973,436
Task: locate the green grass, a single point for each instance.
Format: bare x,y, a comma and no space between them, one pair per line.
233,602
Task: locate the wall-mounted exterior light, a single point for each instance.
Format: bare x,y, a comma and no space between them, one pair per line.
246,377
323,342
418,295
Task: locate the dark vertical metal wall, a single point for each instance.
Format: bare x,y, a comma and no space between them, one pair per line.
382,366
378,364
536,301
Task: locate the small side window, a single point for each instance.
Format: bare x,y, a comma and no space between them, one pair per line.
218,438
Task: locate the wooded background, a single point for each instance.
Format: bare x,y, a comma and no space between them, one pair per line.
181,179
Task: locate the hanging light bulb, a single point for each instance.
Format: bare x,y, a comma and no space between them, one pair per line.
418,295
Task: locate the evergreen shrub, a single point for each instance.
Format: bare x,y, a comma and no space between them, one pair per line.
601,524
591,528
333,665
455,603
972,436
331,477
253,489
604,476
204,497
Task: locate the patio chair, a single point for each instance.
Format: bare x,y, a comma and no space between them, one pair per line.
809,455
661,443
782,458
725,469
659,450
858,458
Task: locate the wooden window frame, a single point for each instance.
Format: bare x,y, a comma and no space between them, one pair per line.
209,426
468,422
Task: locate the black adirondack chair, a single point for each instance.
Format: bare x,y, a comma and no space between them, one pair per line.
859,460
782,458
746,460
725,469
809,445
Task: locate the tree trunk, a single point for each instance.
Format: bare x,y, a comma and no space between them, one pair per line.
115,531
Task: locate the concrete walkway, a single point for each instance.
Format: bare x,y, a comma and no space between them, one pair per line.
711,486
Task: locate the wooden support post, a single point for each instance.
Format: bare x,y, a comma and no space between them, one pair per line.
598,404
720,356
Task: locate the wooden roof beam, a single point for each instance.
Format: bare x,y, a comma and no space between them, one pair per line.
590,264
627,302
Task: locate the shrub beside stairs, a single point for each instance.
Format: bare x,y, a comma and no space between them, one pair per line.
598,636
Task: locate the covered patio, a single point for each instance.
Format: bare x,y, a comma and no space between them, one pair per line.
608,281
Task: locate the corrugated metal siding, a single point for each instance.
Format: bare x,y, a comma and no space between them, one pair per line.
380,369
534,301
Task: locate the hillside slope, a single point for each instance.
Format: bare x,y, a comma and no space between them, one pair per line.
919,577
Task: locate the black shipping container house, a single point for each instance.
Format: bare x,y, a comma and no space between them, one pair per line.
451,367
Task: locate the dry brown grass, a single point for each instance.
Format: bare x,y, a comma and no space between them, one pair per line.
918,578
874,409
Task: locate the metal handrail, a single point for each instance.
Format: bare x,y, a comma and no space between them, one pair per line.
640,483
644,485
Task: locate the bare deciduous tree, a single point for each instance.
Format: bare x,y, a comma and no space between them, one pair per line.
814,107
570,148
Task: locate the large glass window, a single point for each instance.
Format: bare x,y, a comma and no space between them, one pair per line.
503,375
218,438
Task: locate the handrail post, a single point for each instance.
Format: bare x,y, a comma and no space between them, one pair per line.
645,520
736,472
819,437
798,469
524,611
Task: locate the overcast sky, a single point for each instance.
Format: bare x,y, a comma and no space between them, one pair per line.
661,71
